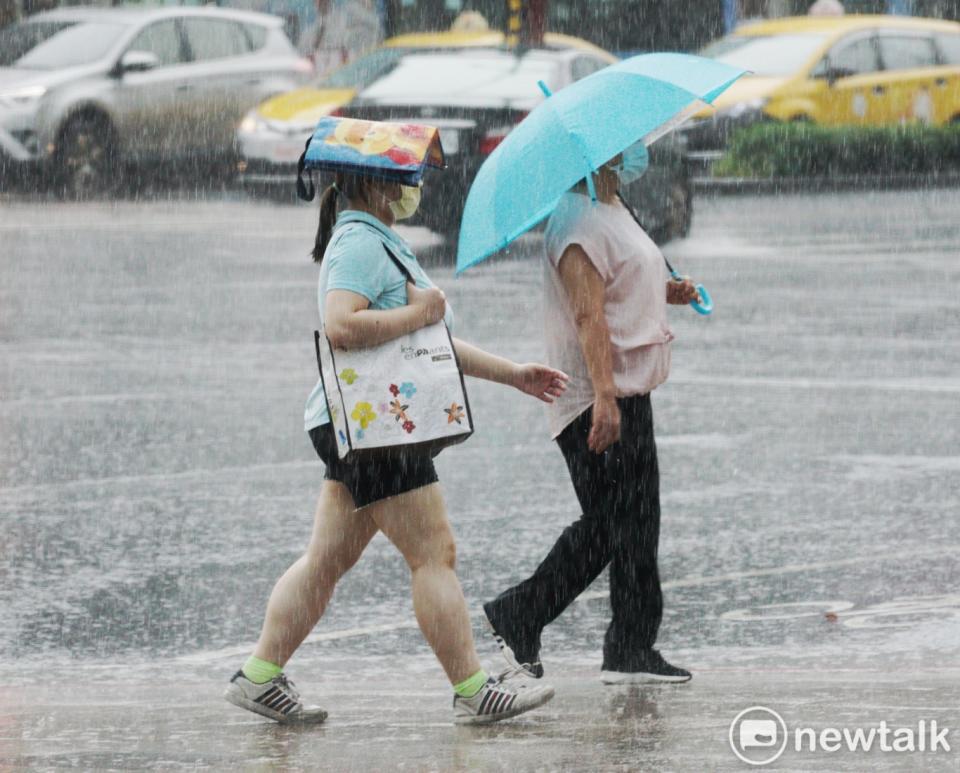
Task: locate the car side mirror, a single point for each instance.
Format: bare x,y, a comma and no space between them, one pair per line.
137,61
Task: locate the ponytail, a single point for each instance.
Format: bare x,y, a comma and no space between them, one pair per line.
328,218
347,186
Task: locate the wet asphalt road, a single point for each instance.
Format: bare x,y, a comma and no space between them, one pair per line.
155,479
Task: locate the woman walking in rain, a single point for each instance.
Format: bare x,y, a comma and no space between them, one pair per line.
606,290
365,300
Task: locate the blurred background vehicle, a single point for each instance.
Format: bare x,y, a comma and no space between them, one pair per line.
849,70
476,97
273,134
474,90
85,91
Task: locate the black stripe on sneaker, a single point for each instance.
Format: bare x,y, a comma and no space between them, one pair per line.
510,702
283,706
291,707
482,709
278,700
268,695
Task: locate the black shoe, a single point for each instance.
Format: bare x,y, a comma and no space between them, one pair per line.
647,666
519,653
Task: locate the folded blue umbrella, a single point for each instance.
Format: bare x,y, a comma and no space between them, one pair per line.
572,134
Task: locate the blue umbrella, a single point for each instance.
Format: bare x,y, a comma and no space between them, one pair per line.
572,134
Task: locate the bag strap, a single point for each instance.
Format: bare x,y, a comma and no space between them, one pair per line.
392,255
637,221
399,263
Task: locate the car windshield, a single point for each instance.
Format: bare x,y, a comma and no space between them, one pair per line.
766,55
49,45
448,78
361,72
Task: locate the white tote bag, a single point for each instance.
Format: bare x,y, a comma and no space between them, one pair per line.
405,392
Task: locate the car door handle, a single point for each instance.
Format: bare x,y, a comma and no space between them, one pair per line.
879,90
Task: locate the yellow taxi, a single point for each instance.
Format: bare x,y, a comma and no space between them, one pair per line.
836,71
271,137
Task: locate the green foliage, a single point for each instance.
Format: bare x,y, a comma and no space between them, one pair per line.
805,150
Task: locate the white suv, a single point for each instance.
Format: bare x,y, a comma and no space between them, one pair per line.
85,90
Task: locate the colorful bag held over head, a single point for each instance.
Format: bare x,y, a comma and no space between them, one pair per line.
405,392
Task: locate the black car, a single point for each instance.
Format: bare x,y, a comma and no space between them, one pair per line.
476,97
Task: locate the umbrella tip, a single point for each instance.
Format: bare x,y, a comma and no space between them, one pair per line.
545,89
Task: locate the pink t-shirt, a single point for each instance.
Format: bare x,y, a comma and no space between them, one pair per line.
635,304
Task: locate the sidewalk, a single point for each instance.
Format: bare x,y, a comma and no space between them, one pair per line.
588,726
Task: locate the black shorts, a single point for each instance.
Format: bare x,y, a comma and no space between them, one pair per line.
378,474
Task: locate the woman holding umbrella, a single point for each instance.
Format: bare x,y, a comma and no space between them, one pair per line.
606,290
364,300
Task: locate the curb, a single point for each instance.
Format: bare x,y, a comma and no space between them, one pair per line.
732,186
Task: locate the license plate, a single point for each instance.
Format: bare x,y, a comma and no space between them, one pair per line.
450,139
285,152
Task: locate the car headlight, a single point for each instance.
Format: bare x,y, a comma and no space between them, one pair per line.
24,96
253,122
742,108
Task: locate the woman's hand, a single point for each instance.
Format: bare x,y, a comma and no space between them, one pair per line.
431,303
540,381
605,428
681,292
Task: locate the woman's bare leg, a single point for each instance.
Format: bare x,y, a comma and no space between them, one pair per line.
340,533
416,522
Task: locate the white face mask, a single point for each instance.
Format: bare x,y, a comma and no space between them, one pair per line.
407,204
634,162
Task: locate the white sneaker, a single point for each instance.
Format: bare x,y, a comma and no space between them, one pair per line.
497,701
277,699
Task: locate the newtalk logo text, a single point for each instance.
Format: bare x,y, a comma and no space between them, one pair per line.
926,737
758,736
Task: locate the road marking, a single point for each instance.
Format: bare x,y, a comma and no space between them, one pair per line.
696,581
927,385
159,476
687,582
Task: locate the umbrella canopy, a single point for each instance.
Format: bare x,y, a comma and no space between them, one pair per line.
572,134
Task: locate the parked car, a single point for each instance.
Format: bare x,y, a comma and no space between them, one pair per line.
847,70
272,135
84,90
476,97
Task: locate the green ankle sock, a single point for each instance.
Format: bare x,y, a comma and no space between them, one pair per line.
260,671
470,687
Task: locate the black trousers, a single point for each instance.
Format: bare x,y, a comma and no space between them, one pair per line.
619,492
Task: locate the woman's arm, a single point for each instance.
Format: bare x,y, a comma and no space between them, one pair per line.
480,364
534,379
349,323
585,289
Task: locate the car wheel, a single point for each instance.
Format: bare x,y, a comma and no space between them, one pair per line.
679,210
86,158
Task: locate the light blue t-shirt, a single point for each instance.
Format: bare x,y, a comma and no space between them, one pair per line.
355,260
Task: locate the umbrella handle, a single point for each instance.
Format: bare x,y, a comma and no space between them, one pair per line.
706,302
